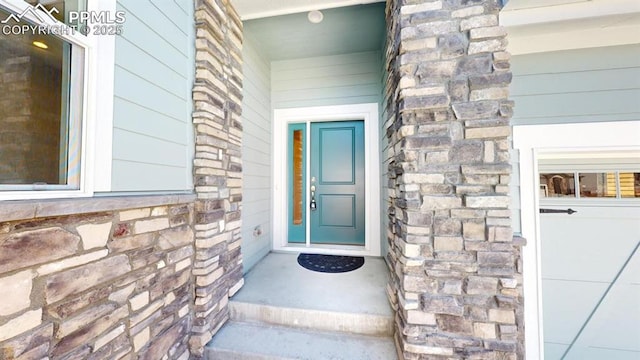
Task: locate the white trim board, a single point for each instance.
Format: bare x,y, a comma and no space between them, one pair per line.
535,142
536,26
103,74
281,118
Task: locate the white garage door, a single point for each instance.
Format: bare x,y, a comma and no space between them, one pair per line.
590,259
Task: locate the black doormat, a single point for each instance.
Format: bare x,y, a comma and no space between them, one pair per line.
330,263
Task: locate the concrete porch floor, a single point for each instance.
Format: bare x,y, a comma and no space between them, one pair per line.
278,280
286,312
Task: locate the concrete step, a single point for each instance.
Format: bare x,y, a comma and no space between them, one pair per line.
324,320
251,341
286,312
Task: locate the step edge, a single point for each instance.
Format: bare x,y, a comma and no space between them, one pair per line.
234,301
312,319
343,313
212,350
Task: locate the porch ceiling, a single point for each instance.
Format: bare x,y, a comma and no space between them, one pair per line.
344,30
254,9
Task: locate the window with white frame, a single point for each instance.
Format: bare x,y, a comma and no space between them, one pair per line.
617,178
43,93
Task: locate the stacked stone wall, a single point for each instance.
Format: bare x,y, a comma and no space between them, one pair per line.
456,267
217,96
112,284
134,277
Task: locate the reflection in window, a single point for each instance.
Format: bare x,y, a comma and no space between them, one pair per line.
38,142
557,185
591,185
629,185
297,177
598,185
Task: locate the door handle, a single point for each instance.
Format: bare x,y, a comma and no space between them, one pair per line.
313,206
557,211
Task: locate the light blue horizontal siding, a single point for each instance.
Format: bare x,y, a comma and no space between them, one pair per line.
256,156
133,117
146,93
327,80
385,157
573,86
154,69
586,85
150,150
164,176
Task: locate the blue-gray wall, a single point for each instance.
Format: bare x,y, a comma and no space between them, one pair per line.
327,80
573,86
586,85
154,69
256,155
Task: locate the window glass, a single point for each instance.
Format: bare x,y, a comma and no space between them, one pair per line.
39,143
598,185
629,185
298,174
557,185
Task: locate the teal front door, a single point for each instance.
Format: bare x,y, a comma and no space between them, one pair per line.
327,183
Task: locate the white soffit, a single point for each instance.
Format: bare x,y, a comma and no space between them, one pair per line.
553,25
255,9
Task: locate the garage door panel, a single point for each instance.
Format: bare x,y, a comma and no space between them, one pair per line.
582,256
554,351
585,247
567,305
594,353
616,324
631,275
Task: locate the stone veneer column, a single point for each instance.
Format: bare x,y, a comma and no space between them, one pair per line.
217,95
457,278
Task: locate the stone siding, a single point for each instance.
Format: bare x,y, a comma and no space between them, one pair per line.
97,278
217,98
456,268
111,284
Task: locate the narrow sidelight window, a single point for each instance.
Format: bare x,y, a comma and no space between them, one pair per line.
298,174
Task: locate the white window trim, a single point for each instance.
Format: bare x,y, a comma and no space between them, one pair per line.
369,114
535,142
97,107
104,73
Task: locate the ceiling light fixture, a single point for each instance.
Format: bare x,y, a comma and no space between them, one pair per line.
315,16
40,44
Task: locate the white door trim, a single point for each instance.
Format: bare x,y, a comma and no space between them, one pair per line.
369,114
536,142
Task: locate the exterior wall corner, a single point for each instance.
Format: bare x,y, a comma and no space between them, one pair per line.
217,95
456,281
